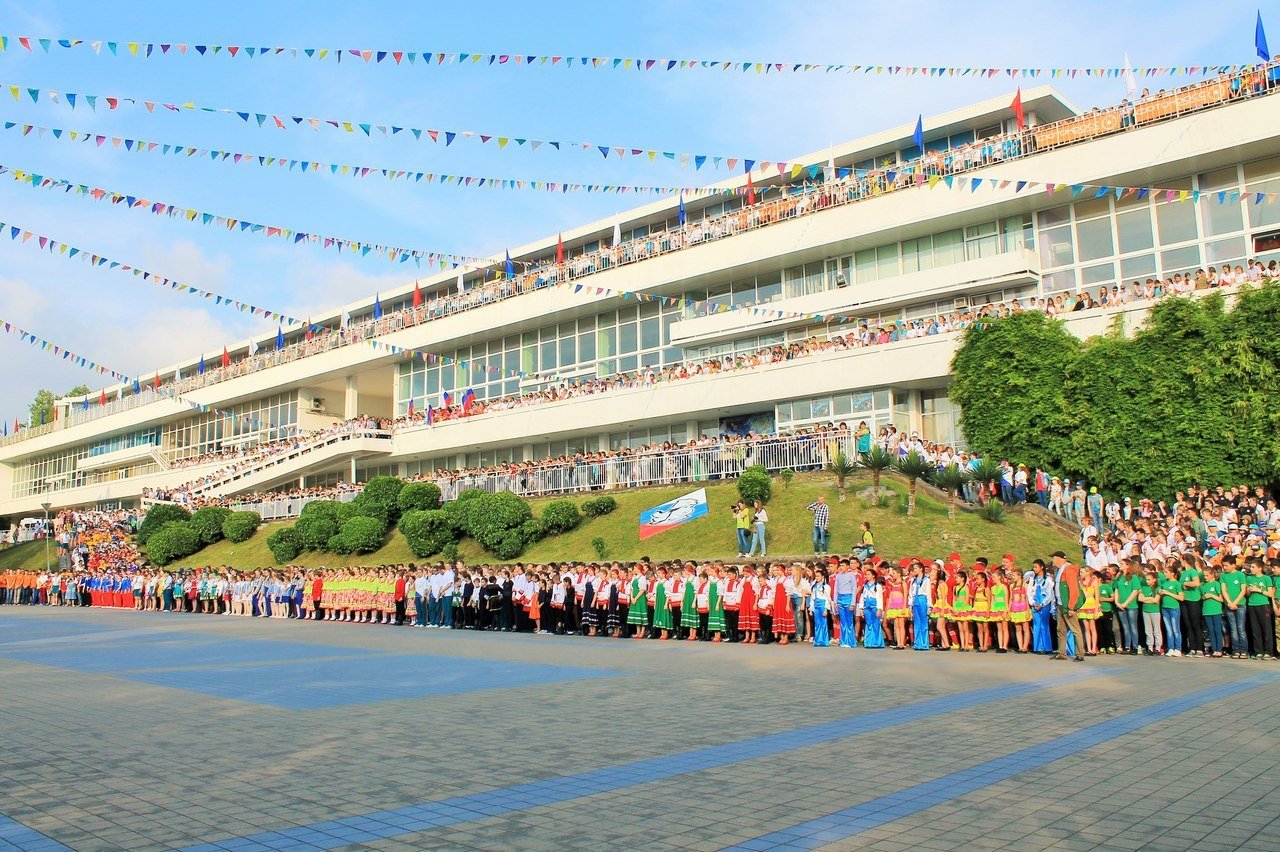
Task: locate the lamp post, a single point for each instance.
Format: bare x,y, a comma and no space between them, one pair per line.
46,506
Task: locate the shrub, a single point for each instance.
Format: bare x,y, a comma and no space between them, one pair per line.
159,515
597,544
419,495
450,552
384,491
364,506
322,508
599,506
360,535
509,545
314,531
284,544
208,522
462,510
786,475
560,516
240,526
494,515
533,531
993,511
174,540
426,531
755,484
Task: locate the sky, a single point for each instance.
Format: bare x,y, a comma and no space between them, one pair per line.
133,327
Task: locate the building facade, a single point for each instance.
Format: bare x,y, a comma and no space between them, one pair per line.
866,233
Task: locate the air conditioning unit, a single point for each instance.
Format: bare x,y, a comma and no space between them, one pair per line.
317,405
961,302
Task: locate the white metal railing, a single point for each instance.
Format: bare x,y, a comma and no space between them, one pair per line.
802,199
224,478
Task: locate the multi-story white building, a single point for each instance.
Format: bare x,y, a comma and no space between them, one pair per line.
851,233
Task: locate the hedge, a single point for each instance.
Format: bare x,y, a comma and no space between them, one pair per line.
285,544
314,531
208,522
159,515
754,484
358,535
426,531
240,526
599,506
419,495
173,541
560,516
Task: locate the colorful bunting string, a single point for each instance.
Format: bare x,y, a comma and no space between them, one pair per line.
60,249
445,137
243,226
290,164
427,58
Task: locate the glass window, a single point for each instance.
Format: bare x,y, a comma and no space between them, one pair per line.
650,337
1056,282
1265,213
1262,169
948,247
1141,267
769,287
865,264
1102,273
981,240
627,339
917,254
1094,238
1016,233
1056,216
1134,228
587,346
1180,260
1230,250
887,261
1176,221
548,356
1093,208
607,338
1056,248
568,351
1221,218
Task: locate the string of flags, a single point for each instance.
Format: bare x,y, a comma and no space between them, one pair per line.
75,100
291,164
428,58
395,254
60,249
59,351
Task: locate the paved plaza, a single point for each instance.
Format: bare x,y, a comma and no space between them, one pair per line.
167,732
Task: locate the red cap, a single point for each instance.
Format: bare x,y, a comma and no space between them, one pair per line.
954,558
904,562
1008,557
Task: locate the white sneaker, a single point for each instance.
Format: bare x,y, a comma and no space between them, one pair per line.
1174,653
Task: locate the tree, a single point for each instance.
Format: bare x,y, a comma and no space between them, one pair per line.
43,403
877,460
913,466
984,473
951,479
841,468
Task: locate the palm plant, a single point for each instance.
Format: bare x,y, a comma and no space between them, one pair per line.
984,473
841,468
951,479
913,466
877,460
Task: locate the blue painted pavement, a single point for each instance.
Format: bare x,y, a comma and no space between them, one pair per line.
506,800
15,835
851,822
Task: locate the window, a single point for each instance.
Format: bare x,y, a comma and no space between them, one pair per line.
1230,250
1134,229
981,241
1138,268
1094,238
1056,248
917,254
948,247
1102,273
1180,260
1176,221
1219,215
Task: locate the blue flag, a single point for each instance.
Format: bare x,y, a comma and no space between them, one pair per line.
918,136
1260,40
682,216
377,306
511,269
42,417
86,403
279,338
200,366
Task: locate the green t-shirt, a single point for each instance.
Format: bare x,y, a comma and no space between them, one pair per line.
1258,587
1211,607
1232,583
1104,595
1125,586
1169,588
1149,591
1191,574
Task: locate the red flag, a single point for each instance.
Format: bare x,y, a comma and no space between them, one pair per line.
559,248
1017,110
417,295
751,190
157,383
226,359
102,397
310,332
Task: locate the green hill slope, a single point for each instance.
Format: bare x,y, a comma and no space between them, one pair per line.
928,534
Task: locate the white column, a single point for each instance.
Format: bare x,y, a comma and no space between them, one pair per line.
526,453
351,403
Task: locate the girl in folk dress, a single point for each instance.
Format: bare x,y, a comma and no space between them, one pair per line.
943,607
871,603
784,623
689,618
613,609
1089,613
1000,610
715,604
638,612
919,590
661,608
623,588
819,603
896,609
1019,612
748,615
962,609
731,592
764,605
980,597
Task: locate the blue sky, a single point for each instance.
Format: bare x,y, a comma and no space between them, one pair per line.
132,327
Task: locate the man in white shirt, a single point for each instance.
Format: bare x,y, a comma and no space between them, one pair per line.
447,578
421,594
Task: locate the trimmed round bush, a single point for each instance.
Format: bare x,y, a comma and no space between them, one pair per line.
159,515
174,540
450,552
314,531
755,484
208,522
560,516
426,531
361,535
533,531
284,544
240,526
494,515
462,510
598,507
509,545
419,495
384,491
322,508
365,506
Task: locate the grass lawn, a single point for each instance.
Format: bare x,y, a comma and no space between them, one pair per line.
28,556
930,533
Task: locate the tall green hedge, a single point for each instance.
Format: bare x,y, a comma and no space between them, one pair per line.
1190,398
